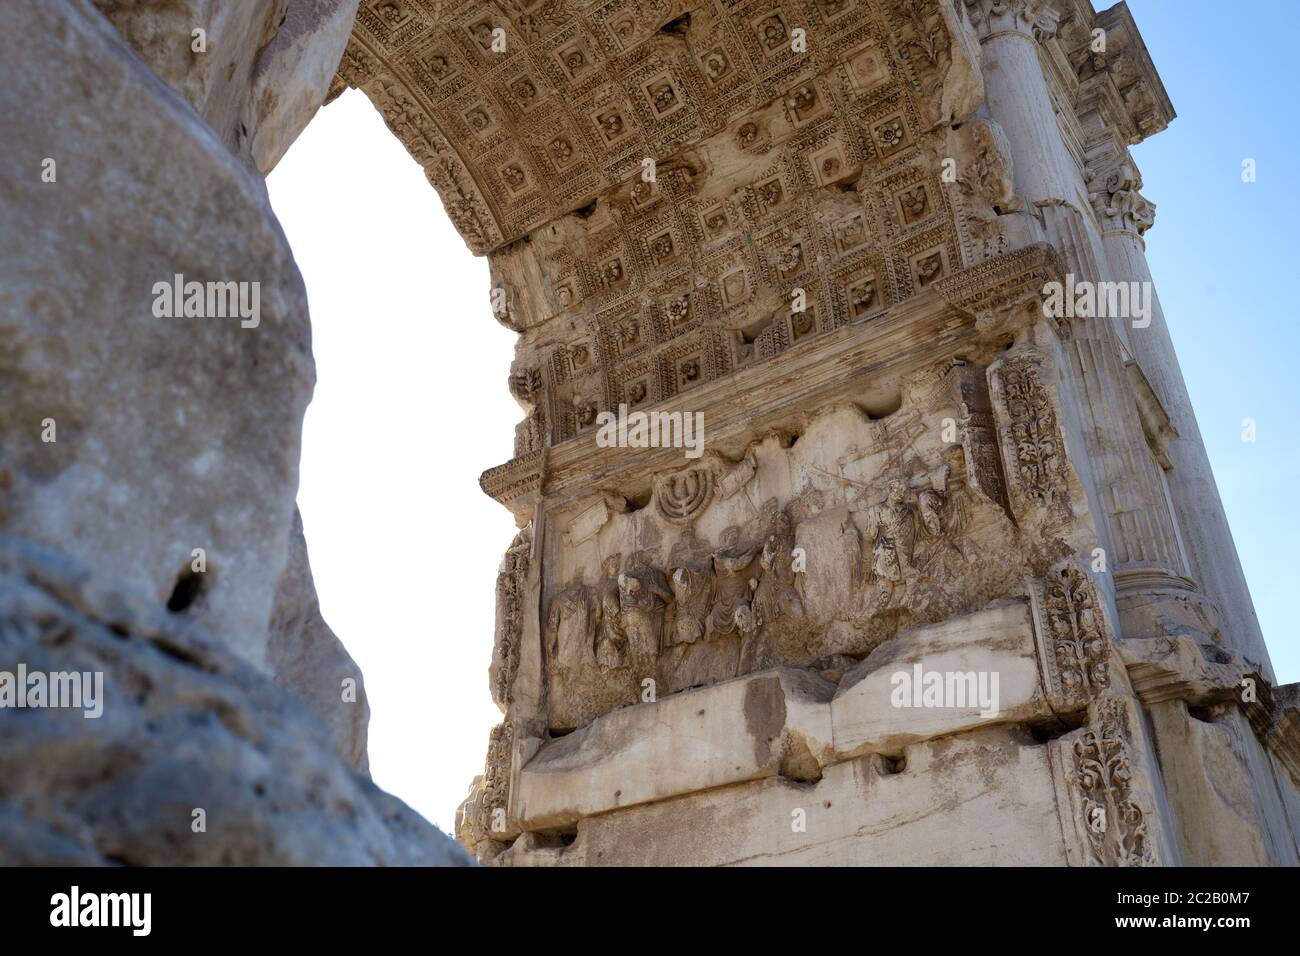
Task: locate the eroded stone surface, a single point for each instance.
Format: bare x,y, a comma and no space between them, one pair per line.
308,660
257,73
745,729
185,726
966,653
171,434
982,799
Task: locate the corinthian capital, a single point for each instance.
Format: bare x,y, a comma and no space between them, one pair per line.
1117,201
1034,19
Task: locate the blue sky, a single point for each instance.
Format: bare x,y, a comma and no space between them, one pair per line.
1222,254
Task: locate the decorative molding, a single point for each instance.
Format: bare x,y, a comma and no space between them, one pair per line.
827,368
1075,638
1115,197
1111,810
1033,448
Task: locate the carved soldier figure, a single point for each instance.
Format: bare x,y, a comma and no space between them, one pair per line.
944,514
891,527
776,596
940,522
930,505
733,564
643,598
611,640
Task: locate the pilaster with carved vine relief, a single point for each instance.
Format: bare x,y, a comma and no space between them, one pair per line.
1075,637
1113,809
1109,787
1035,458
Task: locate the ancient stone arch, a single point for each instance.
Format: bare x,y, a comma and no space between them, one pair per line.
831,223
811,438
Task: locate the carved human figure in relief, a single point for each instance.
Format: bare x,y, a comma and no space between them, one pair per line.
571,627
891,528
734,564
943,514
611,639
776,596
692,583
643,599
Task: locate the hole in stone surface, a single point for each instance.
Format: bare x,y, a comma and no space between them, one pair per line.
893,764
882,405
798,763
190,584
678,27
1208,714
553,839
1044,730
586,211
638,500
750,332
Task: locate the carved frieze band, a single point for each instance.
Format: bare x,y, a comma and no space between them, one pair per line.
511,581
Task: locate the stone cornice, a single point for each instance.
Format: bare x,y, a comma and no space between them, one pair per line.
1120,82
969,308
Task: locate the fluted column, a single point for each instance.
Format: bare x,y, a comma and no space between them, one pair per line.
1125,216
1140,531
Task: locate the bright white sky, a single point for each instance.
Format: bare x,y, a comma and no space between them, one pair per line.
411,405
